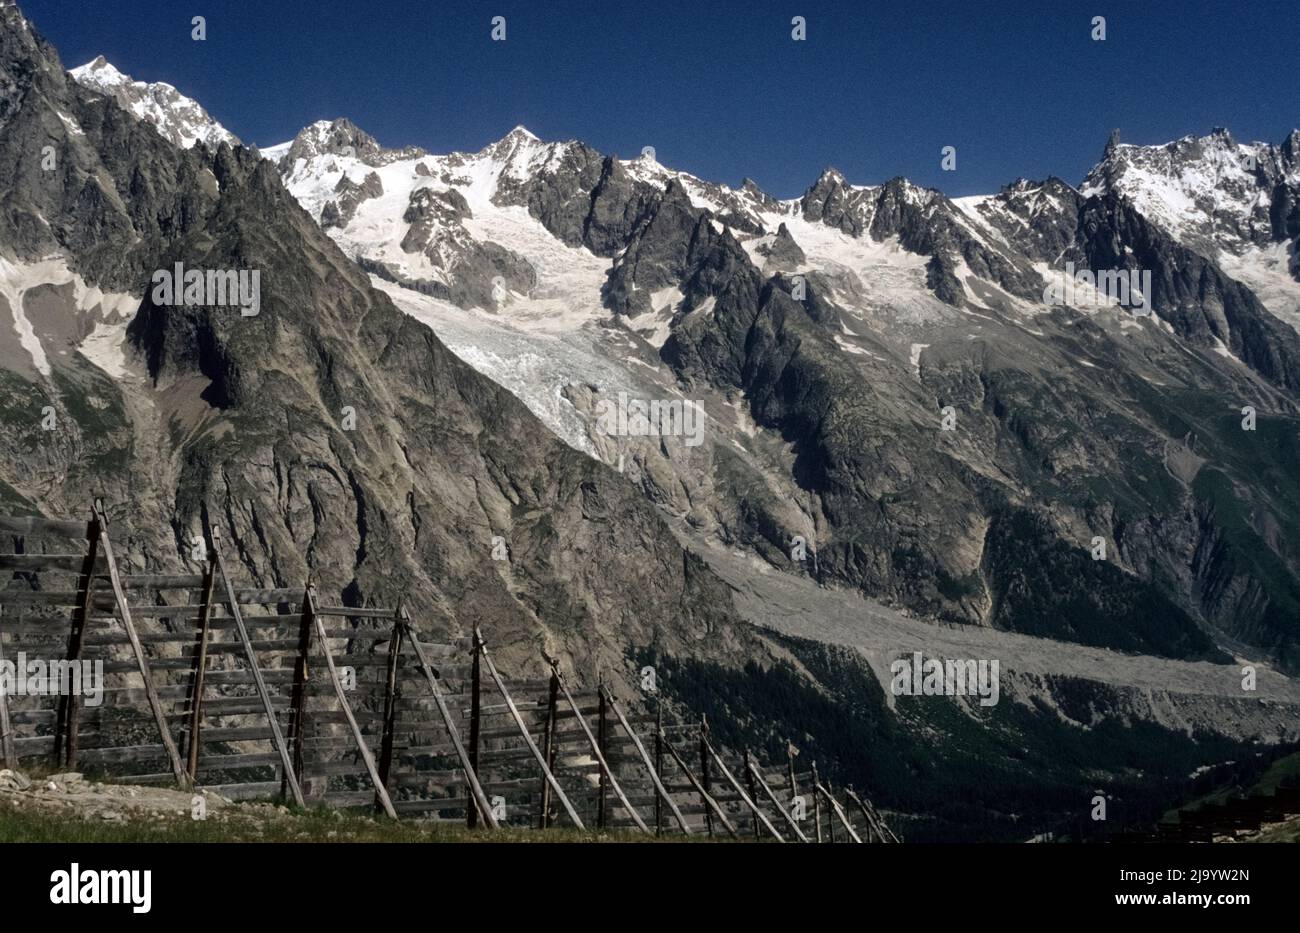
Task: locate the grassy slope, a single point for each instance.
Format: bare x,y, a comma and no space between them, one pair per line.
26,825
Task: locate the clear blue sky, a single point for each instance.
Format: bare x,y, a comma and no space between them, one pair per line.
718,88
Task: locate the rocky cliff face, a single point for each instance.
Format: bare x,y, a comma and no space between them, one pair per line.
893,415
177,118
1211,192
844,325
328,434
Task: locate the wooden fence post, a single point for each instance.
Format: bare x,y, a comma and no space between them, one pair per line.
548,750
776,802
789,768
528,739
478,800
66,725
150,689
709,803
602,737
880,821
596,750
298,695
838,812
874,822
199,670
749,783
830,811
817,803
659,767
740,791
6,730
341,694
872,832
391,692
645,759
232,600
475,714
704,771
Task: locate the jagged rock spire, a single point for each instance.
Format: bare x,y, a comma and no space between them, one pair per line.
1112,144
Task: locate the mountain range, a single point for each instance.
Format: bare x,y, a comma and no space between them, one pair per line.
906,446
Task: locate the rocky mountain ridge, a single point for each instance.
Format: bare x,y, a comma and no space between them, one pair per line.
177,118
827,338
329,434
910,301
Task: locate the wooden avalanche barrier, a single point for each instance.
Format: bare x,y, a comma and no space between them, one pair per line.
201,681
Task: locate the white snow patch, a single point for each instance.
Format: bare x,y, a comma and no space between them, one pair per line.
71,124
18,278
1267,273
532,362
15,282
105,347
176,116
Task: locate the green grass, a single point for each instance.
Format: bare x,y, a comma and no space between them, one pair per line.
1278,772
29,825
1253,782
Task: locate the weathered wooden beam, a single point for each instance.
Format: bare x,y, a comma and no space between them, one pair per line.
475,722
548,750
59,599
602,732
790,753
874,822
817,803
352,613
659,767
776,802
830,813
880,820
744,797
255,669
704,770
7,751
523,731
66,725
390,705
124,610
871,827
36,526
36,563
838,811
478,800
710,805
596,749
645,758
262,597
298,694
362,747
150,581
753,793
200,671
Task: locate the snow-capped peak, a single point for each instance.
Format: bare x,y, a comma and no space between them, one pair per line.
100,74
830,175
523,132
1208,189
176,117
339,137
1234,202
